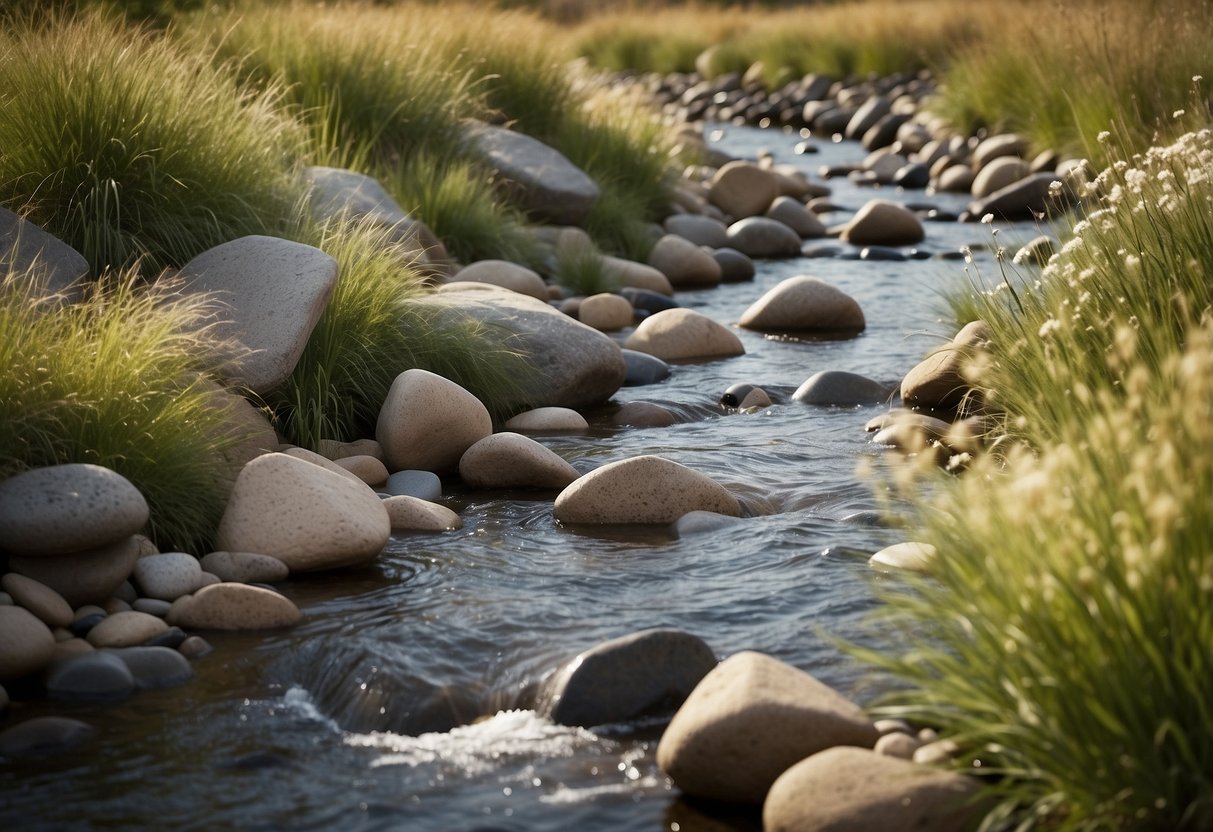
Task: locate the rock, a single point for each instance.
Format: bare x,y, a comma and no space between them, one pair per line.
71,647
507,275
748,721
936,753
685,264
884,132
938,380
883,223
99,676
305,516
632,275
763,237
912,177
1021,200
547,420
46,604
911,432
1035,252
644,674
510,460
643,369
245,567
334,450
884,164
424,485
643,489
893,726
26,644
416,515
323,462
428,421
231,606
42,736
644,300
865,118
702,231
152,606
803,303
998,146
794,215
367,469
734,266
64,509
113,605
838,388
538,178
155,667
168,576
702,522
899,745
195,647
957,179
564,240
274,293
856,790
86,577
998,174
738,395
743,189
126,629
912,557
575,365
679,334
606,312
61,268
642,415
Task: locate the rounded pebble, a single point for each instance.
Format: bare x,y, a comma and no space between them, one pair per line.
38,598
126,629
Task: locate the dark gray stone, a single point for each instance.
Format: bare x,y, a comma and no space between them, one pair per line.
24,245
99,676
838,388
44,735
735,267
155,667
643,369
1022,200
763,237
912,177
648,300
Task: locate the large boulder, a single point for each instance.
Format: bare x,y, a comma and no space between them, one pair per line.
63,509
883,223
511,460
644,674
24,246
427,422
763,237
684,264
748,721
743,189
274,293
575,365
804,304
507,275
86,577
938,380
303,515
680,334
230,606
538,178
856,790
642,489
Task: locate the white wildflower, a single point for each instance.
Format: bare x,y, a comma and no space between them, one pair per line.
1132,261
987,219
1177,114
1103,136
1048,327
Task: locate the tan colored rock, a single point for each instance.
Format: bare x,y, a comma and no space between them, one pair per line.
606,312
71,647
38,598
763,237
856,790
998,146
26,644
643,415
507,275
803,303
642,489
938,380
169,576
245,567
883,223
792,213
678,334
629,273
748,721
685,264
547,419
955,179
910,557
427,422
234,606
366,468
899,745
334,450
416,515
63,509
743,189
304,515
323,462
510,460
998,174
86,577
125,629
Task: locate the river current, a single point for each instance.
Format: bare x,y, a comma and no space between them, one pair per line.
397,704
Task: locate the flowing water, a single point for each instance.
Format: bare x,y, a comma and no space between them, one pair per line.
398,703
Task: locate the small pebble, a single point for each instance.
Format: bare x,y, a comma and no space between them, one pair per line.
195,647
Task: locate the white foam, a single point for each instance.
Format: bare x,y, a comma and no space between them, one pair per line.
565,795
298,700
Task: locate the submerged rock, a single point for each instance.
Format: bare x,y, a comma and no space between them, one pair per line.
44,735
510,460
678,334
838,388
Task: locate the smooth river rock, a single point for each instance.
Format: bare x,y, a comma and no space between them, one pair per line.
643,489
428,421
511,460
606,312
125,629
686,265
412,514
64,509
910,556
155,667
424,485
700,230
86,577
743,189
26,644
49,606
507,275
245,567
232,606
99,676
838,388
24,244
938,380
748,721
168,576
303,515
804,304
883,223
547,420
44,735
999,173
632,275
763,237
682,334
793,213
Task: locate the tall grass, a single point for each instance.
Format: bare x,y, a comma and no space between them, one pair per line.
130,148
119,380
1066,628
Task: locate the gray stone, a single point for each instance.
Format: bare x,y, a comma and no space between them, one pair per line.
838,388
26,249
542,181
507,275
44,735
803,303
644,674
743,189
424,485
643,369
245,567
643,489
957,179
1022,200
763,237
195,647
63,509
685,264
168,576
865,118
26,644
155,667
883,223
695,523
86,577
702,231
274,293
99,676
734,266
152,606
792,213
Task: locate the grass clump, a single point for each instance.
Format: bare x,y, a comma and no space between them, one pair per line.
1064,635
581,272
130,148
119,379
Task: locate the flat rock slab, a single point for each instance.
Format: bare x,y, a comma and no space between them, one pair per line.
62,509
275,292
539,178
804,304
25,247
644,674
427,422
643,489
682,334
511,460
